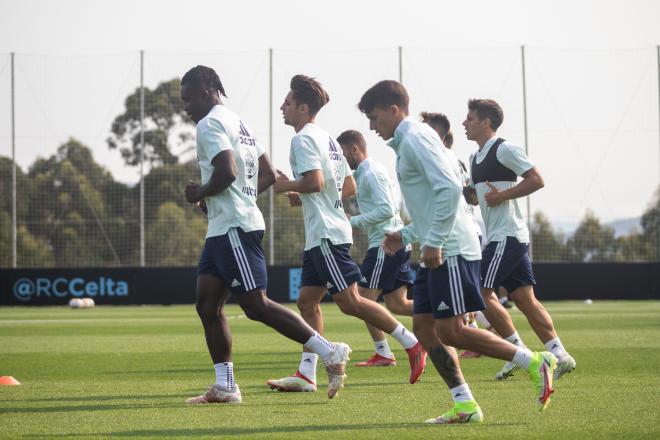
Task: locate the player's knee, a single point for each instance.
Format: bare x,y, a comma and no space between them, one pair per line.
253,312
207,311
525,300
254,306
348,305
305,305
450,335
399,308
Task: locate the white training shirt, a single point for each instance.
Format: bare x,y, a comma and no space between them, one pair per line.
236,206
312,148
505,219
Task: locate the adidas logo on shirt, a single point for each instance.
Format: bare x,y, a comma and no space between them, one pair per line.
329,285
363,280
442,306
235,283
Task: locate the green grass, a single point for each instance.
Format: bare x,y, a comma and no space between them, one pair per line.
125,372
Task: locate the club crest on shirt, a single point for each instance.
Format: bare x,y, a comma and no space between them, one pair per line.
250,164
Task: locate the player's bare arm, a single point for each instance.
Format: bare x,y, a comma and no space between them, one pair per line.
470,195
431,257
310,182
294,198
392,243
348,190
532,181
224,174
266,174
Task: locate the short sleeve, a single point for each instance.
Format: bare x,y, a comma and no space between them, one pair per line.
213,139
469,182
347,169
306,154
260,149
514,158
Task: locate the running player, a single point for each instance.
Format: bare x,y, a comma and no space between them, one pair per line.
320,173
381,273
440,123
234,169
447,284
495,169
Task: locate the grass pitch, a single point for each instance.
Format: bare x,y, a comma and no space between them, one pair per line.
125,372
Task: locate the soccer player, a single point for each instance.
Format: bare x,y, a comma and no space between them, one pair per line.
381,273
440,124
495,168
447,284
234,169
320,173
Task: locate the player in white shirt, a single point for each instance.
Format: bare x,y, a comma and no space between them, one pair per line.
494,170
389,276
447,282
234,169
320,175
440,123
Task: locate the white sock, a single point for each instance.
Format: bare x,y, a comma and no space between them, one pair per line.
405,337
461,393
224,374
319,345
481,319
522,358
308,365
383,349
503,299
555,347
516,340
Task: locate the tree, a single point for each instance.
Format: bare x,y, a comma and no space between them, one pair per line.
176,237
593,242
31,251
165,124
651,227
548,245
69,210
166,184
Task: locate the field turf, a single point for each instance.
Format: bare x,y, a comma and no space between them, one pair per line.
125,372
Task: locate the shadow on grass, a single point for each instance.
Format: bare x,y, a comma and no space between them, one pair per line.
228,431
103,398
84,408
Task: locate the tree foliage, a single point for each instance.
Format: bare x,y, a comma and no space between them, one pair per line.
165,126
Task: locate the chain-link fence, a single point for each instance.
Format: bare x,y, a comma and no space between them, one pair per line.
103,150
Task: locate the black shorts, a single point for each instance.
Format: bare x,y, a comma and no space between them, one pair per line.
449,290
384,272
506,263
237,258
329,265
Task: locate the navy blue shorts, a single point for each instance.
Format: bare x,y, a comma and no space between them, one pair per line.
380,271
329,265
237,258
506,263
449,290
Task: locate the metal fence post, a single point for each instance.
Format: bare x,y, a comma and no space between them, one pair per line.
142,257
14,236
529,200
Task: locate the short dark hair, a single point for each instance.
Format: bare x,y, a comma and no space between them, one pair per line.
352,137
448,141
307,90
487,108
436,119
204,77
384,94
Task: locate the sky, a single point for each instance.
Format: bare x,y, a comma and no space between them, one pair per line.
591,75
